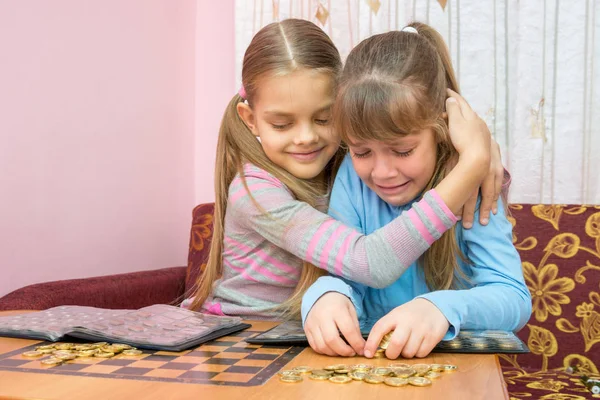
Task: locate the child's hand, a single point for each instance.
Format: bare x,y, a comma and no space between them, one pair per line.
469,133
418,326
334,313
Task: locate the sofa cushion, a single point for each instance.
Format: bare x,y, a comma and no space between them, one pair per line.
200,240
560,252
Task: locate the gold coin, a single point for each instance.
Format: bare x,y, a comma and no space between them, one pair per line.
375,379
419,381
99,344
288,372
335,367
45,347
111,349
86,353
46,351
103,354
322,372
33,354
361,367
64,346
379,353
319,377
397,382
82,347
381,371
421,368
51,361
123,346
65,357
302,369
291,378
56,352
132,352
399,365
404,372
437,367
385,340
340,379
357,376
432,375
450,368
342,371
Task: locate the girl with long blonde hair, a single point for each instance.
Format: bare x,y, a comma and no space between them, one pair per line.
391,112
276,159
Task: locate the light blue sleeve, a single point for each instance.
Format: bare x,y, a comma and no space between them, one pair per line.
499,298
344,202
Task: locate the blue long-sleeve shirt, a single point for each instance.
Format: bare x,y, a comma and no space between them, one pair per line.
496,296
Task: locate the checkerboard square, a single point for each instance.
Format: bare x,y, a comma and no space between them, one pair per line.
270,350
210,368
178,365
132,371
243,370
216,348
262,357
202,353
238,350
160,358
70,367
193,360
117,361
100,369
165,373
237,356
198,375
147,364
253,363
245,345
221,361
245,334
220,343
227,377
13,363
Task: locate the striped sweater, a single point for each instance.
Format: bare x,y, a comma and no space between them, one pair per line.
263,253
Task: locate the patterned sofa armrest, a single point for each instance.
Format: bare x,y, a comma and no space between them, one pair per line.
123,291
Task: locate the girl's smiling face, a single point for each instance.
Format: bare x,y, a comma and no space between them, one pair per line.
397,171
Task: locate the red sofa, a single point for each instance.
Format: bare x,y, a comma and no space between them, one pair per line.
560,250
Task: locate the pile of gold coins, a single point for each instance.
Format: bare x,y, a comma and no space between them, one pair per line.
63,352
397,374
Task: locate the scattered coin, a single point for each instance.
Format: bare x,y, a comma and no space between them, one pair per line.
397,382
291,378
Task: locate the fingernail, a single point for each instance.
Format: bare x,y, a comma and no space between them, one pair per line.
368,354
494,210
467,225
451,100
485,221
459,218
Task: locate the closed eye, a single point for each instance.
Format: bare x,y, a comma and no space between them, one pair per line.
403,153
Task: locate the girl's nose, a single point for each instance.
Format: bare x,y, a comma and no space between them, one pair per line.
383,168
305,135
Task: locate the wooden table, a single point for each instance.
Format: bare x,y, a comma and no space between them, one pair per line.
479,377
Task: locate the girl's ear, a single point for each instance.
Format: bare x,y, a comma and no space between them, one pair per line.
247,115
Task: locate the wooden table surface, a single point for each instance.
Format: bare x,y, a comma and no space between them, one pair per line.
479,376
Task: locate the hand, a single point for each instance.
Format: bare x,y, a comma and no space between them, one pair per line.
491,187
334,313
469,133
417,325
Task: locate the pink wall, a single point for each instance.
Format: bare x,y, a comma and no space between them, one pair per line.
215,85
97,134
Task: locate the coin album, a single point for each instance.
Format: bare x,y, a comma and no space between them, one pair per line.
158,327
467,341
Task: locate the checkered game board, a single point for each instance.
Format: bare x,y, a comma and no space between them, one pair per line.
228,361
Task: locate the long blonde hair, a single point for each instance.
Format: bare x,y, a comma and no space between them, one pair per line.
277,49
394,84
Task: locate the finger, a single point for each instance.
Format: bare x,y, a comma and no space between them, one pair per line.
397,343
333,339
487,198
499,175
322,345
455,117
382,327
468,214
465,108
311,340
413,344
351,331
426,346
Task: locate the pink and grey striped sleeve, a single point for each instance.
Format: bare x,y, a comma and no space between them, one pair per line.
376,260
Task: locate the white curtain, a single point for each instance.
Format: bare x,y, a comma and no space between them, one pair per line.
531,69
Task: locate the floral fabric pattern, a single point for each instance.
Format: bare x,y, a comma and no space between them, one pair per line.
560,252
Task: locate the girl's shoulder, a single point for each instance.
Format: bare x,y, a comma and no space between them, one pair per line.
257,181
